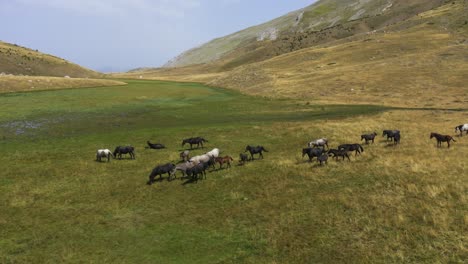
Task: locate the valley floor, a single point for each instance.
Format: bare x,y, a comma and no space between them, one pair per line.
404,203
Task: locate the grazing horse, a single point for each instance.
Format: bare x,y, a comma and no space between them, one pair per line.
124,150
155,145
243,158
339,153
192,141
352,147
103,153
225,159
390,133
312,152
183,167
322,142
255,150
323,159
168,168
369,137
442,138
185,155
462,128
213,153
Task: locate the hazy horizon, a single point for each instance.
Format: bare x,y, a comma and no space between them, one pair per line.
106,35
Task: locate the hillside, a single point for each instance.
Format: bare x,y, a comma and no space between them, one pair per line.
19,60
420,61
324,21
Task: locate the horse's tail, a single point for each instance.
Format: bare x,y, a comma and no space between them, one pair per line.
453,139
362,137
362,149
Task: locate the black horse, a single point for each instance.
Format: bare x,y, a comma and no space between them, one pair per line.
255,150
199,169
155,145
339,153
369,137
192,141
390,134
168,168
124,150
352,147
243,158
312,152
396,139
442,138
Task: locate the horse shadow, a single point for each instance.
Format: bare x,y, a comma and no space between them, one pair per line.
317,165
189,180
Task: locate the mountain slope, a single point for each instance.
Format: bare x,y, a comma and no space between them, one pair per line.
418,62
324,21
19,60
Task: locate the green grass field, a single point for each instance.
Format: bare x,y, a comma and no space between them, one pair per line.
392,204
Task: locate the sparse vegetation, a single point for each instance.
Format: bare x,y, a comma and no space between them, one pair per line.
18,60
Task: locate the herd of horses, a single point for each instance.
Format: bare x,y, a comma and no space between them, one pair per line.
196,167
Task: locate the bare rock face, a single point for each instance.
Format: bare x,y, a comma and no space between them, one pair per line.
269,34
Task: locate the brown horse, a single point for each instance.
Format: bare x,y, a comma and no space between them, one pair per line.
225,159
442,138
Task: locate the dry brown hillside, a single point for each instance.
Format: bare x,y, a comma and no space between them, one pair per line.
19,60
418,62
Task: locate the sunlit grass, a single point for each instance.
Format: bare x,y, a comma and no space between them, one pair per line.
392,204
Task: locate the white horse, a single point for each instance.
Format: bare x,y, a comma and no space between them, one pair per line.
462,128
201,158
103,153
319,143
214,153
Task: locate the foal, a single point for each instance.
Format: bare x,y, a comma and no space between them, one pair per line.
369,137
442,138
225,159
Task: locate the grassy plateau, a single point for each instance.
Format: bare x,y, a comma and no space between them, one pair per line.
405,203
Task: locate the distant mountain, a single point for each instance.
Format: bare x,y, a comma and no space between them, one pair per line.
324,21
19,60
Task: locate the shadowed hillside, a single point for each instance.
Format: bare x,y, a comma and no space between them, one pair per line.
19,60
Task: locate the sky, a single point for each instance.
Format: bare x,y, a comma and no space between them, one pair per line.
119,35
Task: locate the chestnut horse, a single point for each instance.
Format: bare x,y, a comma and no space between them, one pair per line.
225,159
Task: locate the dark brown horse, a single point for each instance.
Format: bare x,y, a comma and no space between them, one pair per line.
369,137
339,153
255,150
442,138
225,159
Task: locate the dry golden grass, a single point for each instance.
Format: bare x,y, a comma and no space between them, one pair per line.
33,83
386,204
383,70
18,60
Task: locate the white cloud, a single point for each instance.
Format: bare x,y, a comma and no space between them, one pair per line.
166,8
